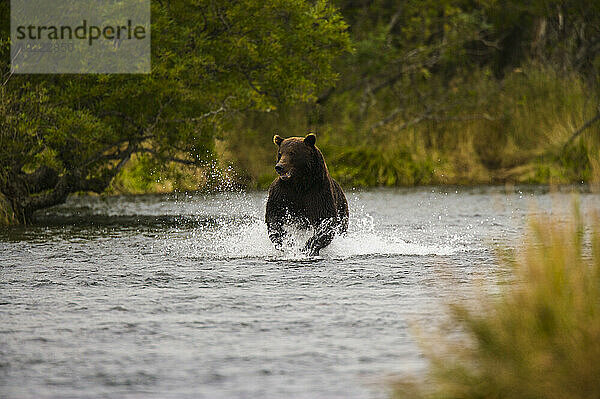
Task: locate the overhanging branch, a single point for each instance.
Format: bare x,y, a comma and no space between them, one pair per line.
169,158
581,129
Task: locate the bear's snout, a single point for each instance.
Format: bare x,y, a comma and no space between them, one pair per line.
283,170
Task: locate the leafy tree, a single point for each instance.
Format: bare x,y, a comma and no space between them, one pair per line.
210,59
454,91
408,57
416,59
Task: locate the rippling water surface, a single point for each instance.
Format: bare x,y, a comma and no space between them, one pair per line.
185,297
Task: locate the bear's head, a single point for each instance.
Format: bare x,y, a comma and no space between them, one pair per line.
299,160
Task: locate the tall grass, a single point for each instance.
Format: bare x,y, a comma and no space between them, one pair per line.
509,130
540,338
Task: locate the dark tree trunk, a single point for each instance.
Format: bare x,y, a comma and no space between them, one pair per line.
43,188
7,214
28,192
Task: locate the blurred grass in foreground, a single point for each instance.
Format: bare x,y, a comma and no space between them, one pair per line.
540,338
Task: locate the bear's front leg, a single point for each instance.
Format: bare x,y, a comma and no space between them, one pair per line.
276,234
322,238
275,217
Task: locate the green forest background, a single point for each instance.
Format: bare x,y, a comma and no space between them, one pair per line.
450,92
399,93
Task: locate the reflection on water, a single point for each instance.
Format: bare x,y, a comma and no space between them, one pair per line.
184,296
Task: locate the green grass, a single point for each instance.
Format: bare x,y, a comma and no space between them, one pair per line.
143,175
540,338
513,130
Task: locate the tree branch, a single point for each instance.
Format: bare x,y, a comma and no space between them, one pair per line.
99,184
581,129
208,114
52,197
428,115
10,72
182,161
157,118
43,178
197,118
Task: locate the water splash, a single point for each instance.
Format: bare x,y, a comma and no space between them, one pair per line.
235,239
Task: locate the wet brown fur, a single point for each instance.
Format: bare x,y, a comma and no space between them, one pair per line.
305,195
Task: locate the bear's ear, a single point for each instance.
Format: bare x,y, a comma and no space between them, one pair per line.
310,139
277,139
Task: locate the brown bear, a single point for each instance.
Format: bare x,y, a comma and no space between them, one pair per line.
304,195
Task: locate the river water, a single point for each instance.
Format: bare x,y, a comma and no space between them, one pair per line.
183,296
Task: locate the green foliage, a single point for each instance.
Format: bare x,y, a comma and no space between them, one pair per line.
454,92
541,338
495,88
507,130
368,167
146,174
211,60
429,92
